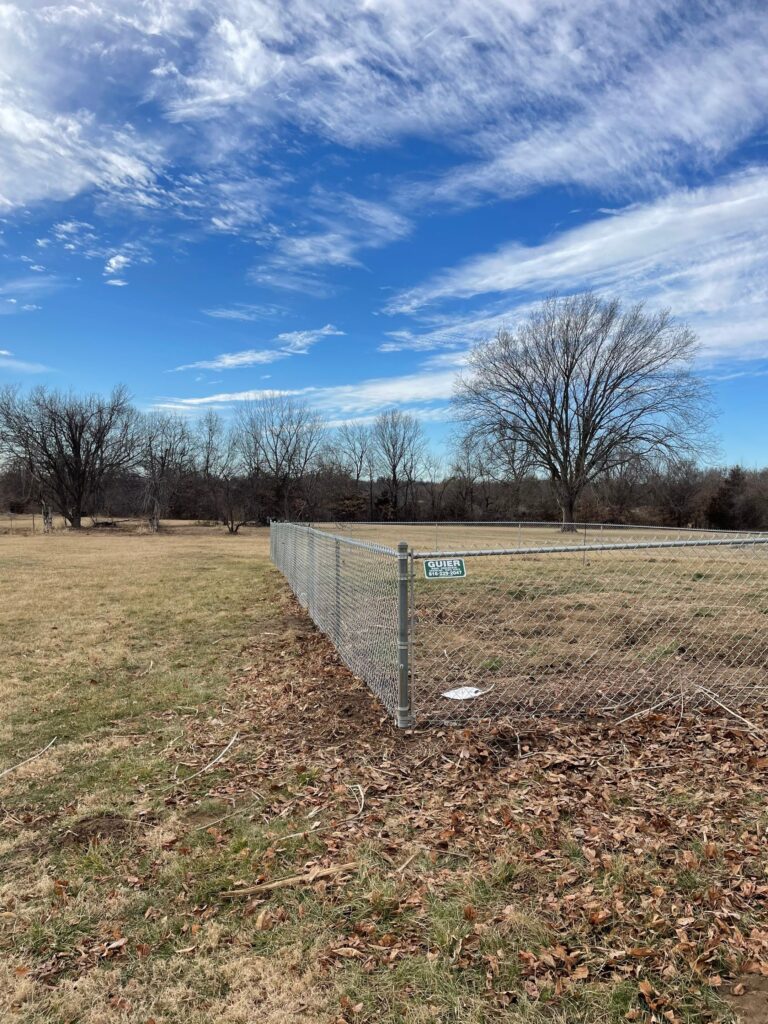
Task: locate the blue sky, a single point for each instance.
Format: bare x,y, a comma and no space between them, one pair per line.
332,199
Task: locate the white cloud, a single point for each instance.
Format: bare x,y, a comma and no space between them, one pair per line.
285,344
117,282
8,362
245,312
424,390
115,264
703,252
28,287
600,91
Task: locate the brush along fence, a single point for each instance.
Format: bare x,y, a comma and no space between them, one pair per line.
596,620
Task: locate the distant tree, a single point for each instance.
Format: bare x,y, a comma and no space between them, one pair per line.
165,456
399,446
220,464
436,483
678,490
584,387
69,444
355,450
280,439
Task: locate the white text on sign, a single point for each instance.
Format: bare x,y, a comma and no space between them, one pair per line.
444,568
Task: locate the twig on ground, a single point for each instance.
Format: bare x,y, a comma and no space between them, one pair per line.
27,760
751,725
647,711
315,875
359,793
225,817
405,864
183,782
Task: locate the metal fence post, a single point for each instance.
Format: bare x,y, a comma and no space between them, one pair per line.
337,591
404,714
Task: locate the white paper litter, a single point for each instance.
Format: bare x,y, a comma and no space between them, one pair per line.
465,693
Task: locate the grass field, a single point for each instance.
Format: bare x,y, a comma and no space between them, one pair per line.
208,740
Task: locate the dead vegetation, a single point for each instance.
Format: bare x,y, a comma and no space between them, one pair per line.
524,871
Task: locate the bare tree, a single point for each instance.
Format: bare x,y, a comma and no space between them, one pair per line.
221,465
585,387
356,453
280,440
436,481
399,445
69,444
165,456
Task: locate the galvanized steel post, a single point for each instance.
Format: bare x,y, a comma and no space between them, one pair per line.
404,712
337,593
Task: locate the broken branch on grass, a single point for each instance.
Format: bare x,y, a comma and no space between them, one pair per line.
359,793
27,760
210,764
315,875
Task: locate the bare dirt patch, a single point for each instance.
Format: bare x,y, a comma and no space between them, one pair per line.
749,999
96,828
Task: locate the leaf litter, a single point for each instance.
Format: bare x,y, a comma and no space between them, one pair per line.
640,846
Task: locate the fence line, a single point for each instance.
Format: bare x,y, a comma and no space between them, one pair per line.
351,591
564,629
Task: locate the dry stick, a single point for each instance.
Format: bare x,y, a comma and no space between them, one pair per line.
34,757
210,764
741,718
647,711
345,821
284,883
405,864
225,817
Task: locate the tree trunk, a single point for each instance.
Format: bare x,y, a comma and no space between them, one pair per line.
568,505
76,520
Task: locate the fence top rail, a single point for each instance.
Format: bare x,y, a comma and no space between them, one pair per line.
380,549
323,526
577,549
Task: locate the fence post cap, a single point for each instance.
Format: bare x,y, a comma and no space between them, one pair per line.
402,547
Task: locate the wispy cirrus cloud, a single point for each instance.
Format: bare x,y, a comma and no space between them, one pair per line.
425,391
245,312
17,293
9,362
288,343
601,92
704,252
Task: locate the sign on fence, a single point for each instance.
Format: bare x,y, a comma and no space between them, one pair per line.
444,568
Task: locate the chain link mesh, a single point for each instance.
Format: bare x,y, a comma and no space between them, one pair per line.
597,619
350,590
587,626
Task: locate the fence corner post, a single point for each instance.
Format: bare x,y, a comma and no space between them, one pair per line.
404,711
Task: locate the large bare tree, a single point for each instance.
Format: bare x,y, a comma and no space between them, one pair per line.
584,387
69,444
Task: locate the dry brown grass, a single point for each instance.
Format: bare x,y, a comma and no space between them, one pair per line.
528,873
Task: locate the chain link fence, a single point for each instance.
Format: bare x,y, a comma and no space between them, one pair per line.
351,591
523,618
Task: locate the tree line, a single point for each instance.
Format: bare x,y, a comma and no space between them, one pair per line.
588,410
